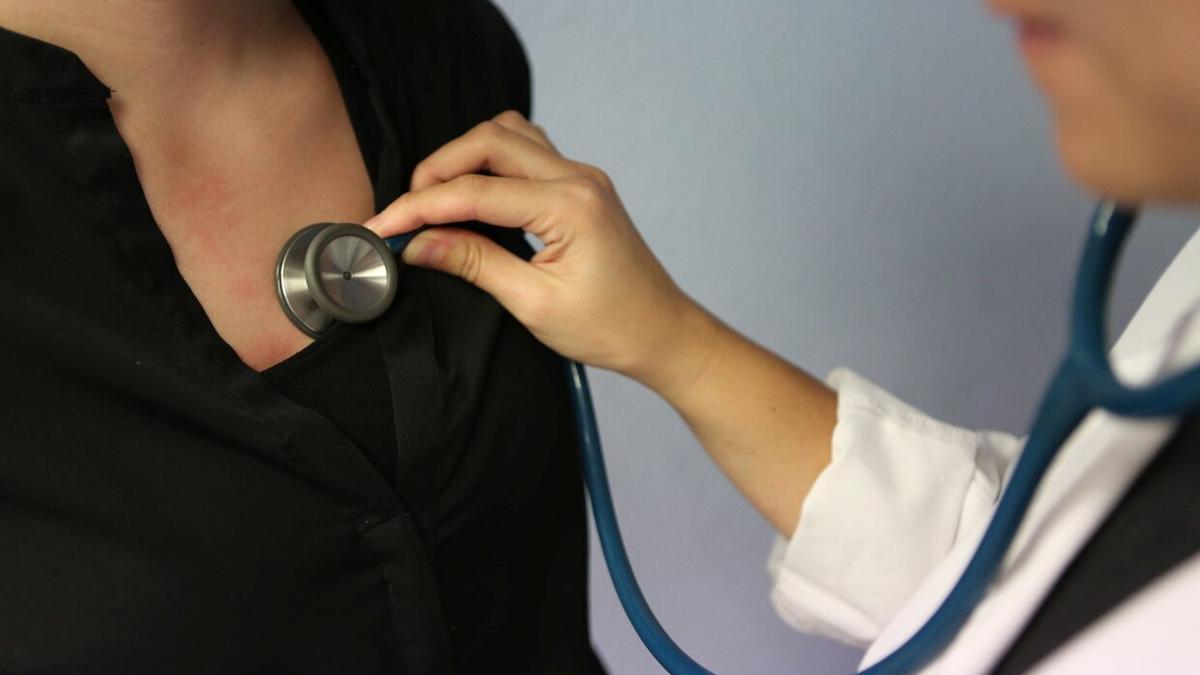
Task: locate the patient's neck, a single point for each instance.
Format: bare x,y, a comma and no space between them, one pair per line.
159,50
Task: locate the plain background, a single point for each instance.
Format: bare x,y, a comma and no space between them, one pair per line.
848,182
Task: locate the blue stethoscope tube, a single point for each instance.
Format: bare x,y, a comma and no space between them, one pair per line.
672,658
1083,382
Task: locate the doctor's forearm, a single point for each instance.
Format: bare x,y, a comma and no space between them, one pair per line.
767,424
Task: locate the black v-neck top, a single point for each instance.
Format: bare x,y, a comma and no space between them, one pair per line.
341,375
165,508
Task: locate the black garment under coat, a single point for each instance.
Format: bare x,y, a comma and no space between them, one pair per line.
164,509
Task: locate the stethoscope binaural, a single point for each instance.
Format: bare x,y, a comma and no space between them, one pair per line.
343,272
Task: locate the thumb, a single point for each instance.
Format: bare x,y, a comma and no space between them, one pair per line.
476,259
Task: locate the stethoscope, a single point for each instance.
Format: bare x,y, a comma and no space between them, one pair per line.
344,272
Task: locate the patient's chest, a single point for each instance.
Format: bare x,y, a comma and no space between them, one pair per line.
228,188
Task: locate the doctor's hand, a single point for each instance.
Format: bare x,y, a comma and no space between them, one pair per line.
594,294
597,294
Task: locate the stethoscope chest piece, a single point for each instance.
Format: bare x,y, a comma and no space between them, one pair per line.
335,272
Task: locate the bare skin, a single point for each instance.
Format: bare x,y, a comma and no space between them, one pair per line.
1122,81
239,135
1120,77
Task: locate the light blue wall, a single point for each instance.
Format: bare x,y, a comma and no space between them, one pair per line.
848,182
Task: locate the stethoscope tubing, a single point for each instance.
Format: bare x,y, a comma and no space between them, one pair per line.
651,632
1083,382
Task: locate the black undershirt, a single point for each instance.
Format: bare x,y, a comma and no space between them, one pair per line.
342,376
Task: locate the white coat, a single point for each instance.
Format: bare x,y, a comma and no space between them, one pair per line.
892,522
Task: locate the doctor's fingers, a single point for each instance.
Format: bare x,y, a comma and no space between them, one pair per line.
491,146
511,119
507,202
514,283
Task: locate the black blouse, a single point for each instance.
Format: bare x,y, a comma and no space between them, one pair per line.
164,508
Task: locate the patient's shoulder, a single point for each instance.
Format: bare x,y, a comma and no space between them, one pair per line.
472,34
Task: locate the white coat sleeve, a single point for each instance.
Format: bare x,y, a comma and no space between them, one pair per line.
900,490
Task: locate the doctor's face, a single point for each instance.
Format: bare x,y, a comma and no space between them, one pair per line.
1122,79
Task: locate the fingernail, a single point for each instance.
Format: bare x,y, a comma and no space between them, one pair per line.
374,223
423,251
413,252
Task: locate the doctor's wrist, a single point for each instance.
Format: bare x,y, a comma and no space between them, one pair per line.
673,363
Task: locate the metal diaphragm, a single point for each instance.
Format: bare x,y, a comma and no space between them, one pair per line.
335,272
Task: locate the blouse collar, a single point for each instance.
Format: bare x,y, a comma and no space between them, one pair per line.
34,71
